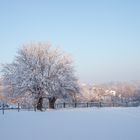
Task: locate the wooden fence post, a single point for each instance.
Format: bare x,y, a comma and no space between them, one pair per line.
113,104
64,105
75,105
18,107
3,109
100,104
126,104
35,108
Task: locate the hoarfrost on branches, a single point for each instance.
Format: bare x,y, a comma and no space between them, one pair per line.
42,71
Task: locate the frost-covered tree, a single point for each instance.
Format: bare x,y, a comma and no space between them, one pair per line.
42,71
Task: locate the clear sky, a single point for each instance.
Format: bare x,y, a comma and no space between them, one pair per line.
103,36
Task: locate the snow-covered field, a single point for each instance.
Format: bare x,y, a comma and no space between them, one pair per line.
72,124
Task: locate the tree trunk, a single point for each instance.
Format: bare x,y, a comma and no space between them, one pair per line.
52,102
40,104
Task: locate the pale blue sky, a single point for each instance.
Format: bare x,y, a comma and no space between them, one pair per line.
103,36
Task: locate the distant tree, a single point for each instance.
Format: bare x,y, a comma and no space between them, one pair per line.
1,90
0,86
42,71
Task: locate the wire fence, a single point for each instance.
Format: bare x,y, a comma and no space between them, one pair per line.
95,104
19,107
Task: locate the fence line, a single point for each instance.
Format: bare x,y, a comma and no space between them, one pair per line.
73,105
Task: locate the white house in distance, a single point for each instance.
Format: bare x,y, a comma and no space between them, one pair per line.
109,94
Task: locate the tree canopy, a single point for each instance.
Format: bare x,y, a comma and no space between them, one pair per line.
41,70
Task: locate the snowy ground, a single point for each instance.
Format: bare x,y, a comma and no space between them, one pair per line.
72,124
